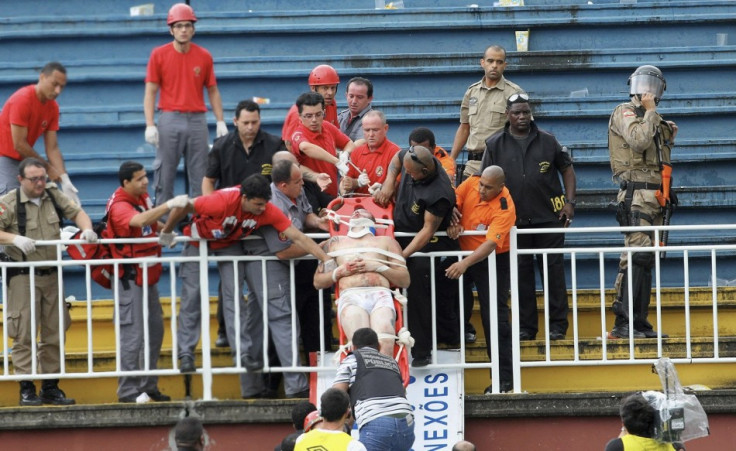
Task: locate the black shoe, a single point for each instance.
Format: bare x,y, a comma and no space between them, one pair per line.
186,365
506,387
470,337
222,342
420,362
650,333
54,395
128,399
526,336
623,332
158,396
28,395
299,395
556,336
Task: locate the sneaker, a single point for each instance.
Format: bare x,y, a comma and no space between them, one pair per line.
158,396
556,336
526,336
623,332
299,395
420,362
222,342
54,395
28,395
650,333
186,365
470,337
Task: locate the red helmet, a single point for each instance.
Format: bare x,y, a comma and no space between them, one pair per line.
311,420
180,12
323,75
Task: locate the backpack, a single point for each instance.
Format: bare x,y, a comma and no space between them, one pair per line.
102,274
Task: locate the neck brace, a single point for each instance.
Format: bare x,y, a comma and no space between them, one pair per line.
369,227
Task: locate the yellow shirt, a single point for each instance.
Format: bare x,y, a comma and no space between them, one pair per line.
325,440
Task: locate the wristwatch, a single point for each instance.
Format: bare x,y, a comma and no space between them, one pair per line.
571,202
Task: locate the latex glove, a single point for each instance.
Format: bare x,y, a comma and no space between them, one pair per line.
363,179
180,201
344,157
167,239
342,168
376,187
221,129
89,236
69,189
26,245
152,135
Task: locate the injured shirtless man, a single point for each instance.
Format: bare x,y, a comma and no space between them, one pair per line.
366,267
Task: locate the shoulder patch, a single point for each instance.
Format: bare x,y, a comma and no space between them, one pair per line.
504,204
3,208
629,113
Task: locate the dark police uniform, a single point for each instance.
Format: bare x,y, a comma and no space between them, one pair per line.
229,163
435,195
532,177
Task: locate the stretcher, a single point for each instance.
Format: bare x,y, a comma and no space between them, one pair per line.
339,212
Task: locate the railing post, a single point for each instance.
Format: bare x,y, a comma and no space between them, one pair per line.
204,297
514,271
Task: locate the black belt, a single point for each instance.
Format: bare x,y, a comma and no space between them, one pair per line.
475,156
38,271
639,185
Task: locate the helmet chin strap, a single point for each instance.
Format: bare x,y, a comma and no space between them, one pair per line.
368,227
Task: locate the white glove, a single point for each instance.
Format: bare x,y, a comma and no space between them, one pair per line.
342,168
221,129
152,135
180,201
376,187
89,236
167,239
26,245
363,179
344,157
69,189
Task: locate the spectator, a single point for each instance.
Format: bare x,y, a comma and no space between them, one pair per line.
298,414
288,196
463,445
29,213
131,214
226,216
378,396
323,80
424,206
365,278
639,421
486,205
315,142
330,434
533,161
180,70
359,94
370,160
640,144
189,434
482,109
422,136
30,112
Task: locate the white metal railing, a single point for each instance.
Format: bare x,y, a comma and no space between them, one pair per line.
207,369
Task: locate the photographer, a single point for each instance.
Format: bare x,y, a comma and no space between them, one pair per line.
639,422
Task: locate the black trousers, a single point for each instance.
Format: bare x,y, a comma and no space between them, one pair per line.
557,288
478,275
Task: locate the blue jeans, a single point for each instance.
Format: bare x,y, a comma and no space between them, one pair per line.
388,434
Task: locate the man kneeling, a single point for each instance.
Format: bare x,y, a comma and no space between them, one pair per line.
368,266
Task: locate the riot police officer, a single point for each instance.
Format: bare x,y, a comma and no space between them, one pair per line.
640,142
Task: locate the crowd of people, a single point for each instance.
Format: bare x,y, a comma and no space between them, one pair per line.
278,187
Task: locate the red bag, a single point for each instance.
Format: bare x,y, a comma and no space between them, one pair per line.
102,274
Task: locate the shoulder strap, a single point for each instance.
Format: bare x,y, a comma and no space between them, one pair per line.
59,211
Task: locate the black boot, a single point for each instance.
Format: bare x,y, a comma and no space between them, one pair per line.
51,394
28,395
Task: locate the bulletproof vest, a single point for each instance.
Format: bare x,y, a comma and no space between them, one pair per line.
633,166
377,376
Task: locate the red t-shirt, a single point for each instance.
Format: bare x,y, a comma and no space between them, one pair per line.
181,77
292,120
24,109
121,207
375,163
221,218
330,138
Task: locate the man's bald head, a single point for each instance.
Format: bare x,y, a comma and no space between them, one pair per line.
463,445
494,173
492,181
419,162
283,155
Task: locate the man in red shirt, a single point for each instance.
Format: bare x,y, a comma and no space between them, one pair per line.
372,158
315,141
181,70
30,112
486,205
226,216
323,80
131,214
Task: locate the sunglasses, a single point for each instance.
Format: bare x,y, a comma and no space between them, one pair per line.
414,156
519,97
